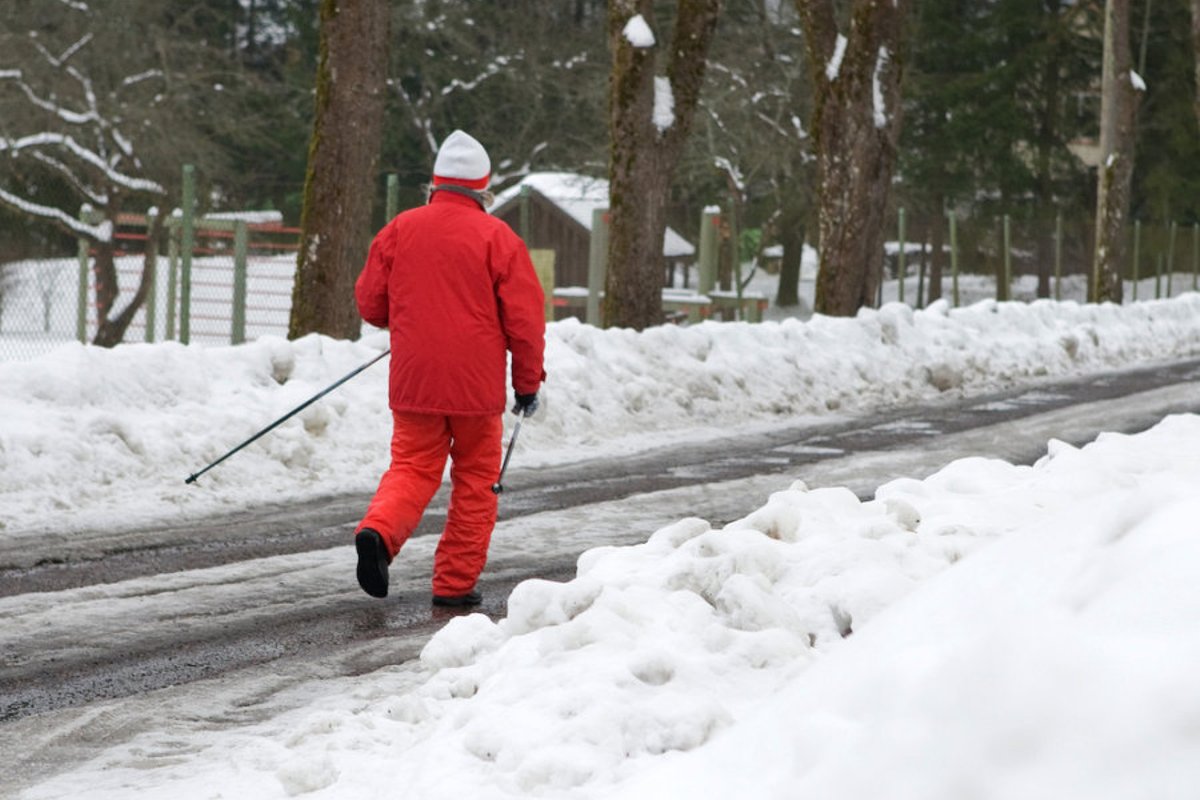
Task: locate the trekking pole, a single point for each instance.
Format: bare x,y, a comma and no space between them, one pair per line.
498,487
192,478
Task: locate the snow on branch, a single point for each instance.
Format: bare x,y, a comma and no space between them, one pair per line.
664,104
879,102
491,70
101,232
834,67
142,76
637,32
50,139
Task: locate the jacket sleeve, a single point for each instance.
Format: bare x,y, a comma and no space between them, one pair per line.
523,315
371,288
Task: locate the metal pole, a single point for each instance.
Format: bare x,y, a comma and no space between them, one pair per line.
900,266
498,486
192,478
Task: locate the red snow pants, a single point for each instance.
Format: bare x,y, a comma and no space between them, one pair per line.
420,446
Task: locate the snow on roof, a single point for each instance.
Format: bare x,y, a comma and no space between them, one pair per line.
578,196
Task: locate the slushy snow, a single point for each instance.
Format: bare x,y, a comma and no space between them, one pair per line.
991,631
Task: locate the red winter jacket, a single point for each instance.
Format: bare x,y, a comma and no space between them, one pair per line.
455,287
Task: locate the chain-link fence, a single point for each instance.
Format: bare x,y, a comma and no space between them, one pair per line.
227,278
232,284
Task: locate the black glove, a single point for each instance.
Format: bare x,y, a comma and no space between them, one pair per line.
526,404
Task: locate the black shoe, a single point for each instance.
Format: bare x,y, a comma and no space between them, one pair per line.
471,598
372,562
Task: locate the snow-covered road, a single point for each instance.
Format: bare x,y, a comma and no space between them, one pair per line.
243,640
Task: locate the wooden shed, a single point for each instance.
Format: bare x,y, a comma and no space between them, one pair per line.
560,206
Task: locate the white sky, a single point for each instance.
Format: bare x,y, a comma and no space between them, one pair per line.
1017,631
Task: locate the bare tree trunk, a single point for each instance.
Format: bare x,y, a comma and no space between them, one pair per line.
110,330
646,149
342,158
791,236
937,246
856,81
1046,144
1118,119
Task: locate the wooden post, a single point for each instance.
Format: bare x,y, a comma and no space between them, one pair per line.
240,241
543,265
597,265
900,266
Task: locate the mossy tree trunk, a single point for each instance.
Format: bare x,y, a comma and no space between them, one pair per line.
645,149
343,153
1196,53
1118,122
856,126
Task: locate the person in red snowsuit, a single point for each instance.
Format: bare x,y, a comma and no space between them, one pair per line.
456,290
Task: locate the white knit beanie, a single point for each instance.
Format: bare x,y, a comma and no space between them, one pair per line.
463,161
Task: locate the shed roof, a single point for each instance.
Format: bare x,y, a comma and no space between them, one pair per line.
578,196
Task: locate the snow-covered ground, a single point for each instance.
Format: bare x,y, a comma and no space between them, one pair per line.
992,631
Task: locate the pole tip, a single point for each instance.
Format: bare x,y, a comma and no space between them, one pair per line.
190,479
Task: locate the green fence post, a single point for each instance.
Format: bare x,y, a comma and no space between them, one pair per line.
1137,257
151,255
1058,238
1170,258
172,273
710,221
392,198
240,239
1158,269
954,257
81,304
187,244
1007,257
900,266
1195,255
597,265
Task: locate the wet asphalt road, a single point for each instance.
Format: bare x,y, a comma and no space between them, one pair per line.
44,676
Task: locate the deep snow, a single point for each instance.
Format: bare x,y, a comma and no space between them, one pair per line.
991,631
